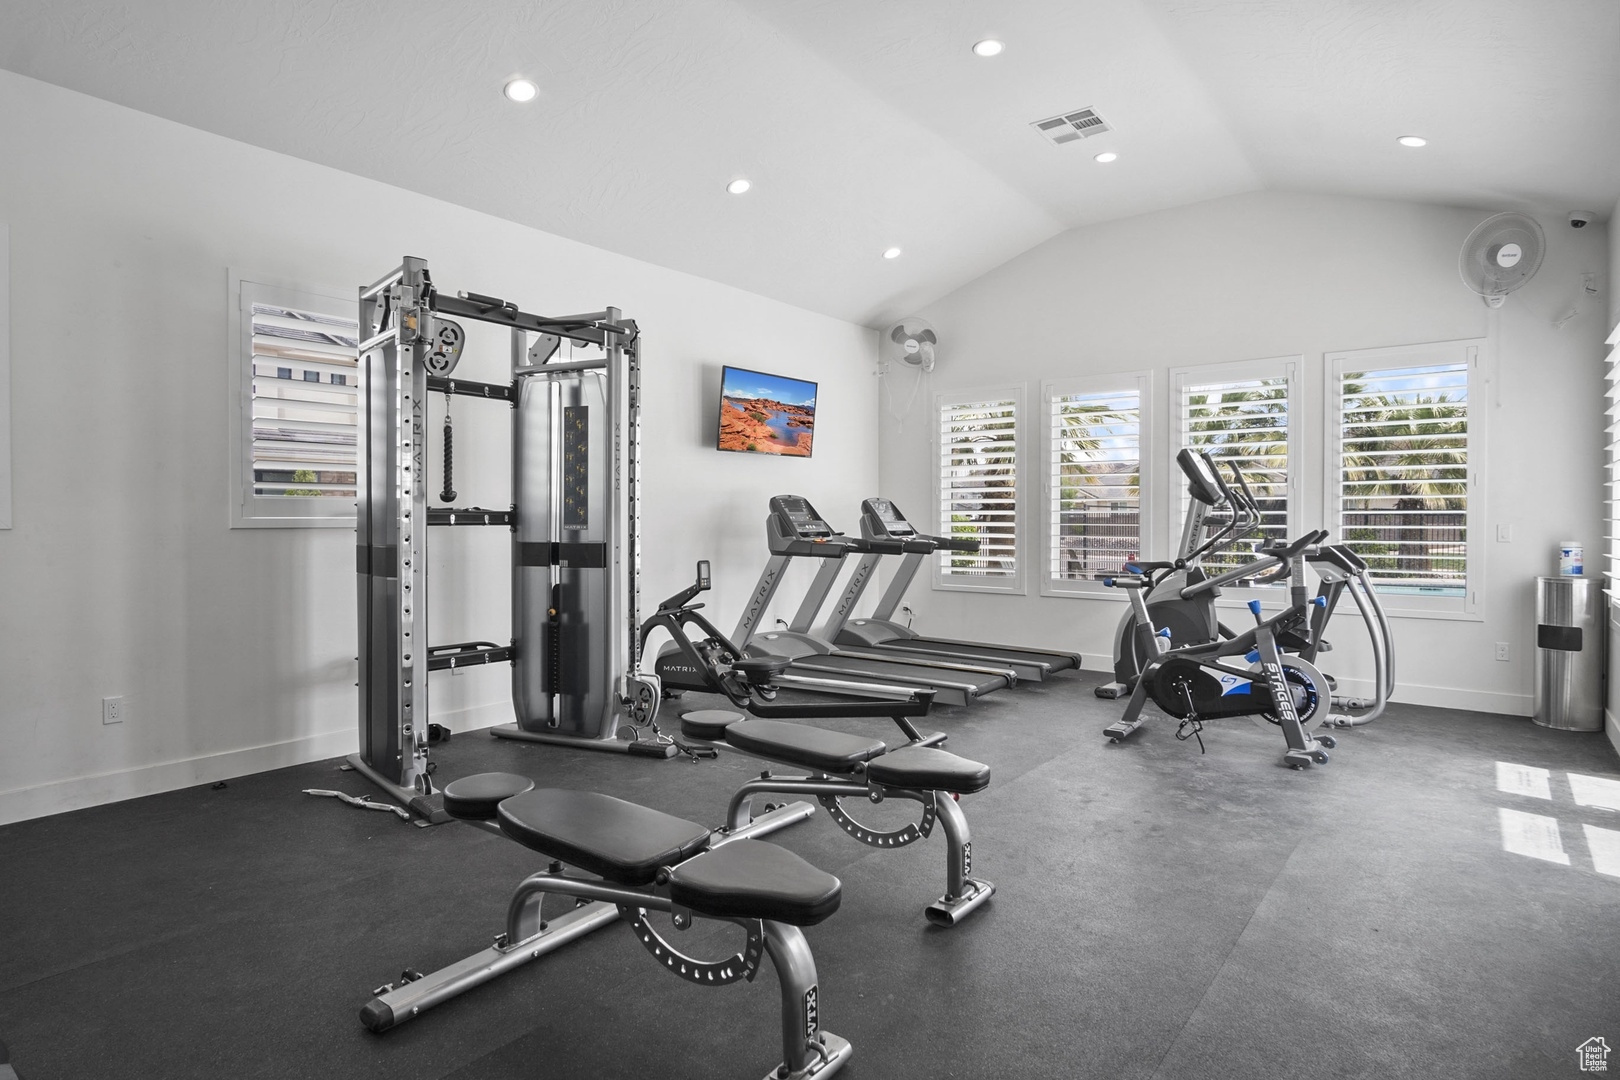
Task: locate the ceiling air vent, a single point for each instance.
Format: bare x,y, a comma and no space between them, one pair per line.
1071,127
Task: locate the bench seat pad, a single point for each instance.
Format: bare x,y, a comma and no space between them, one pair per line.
708,724
751,879
474,798
617,840
928,769
800,744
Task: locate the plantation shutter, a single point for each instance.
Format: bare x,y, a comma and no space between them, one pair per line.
305,375
1095,467
1243,420
978,486
1403,478
1611,435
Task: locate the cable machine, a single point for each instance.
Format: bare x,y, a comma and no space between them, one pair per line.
574,521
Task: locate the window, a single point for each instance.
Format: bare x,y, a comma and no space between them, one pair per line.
978,489
1611,370
1405,467
1239,414
296,403
1096,434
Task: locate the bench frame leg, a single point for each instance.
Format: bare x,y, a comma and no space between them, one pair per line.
807,1051
963,893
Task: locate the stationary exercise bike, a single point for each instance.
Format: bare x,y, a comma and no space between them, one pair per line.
1179,593
1199,683
1180,596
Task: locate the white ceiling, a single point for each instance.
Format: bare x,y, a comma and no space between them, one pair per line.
869,123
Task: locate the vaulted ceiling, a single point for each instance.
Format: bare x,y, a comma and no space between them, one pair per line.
866,124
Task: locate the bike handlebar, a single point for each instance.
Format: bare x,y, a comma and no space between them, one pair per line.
1284,552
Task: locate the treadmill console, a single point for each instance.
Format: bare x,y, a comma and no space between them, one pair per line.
794,516
882,520
1203,483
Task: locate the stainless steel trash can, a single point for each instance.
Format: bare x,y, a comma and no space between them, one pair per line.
1569,654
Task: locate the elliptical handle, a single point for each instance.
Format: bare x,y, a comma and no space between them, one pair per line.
1249,502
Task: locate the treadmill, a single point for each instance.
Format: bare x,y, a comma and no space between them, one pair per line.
794,530
881,521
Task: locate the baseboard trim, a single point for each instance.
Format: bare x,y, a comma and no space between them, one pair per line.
1445,697
79,792
1448,697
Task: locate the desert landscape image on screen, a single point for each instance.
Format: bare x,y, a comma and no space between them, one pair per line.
766,414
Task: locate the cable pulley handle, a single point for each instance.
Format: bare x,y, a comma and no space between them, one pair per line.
447,494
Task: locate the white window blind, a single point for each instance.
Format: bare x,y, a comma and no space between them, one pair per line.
978,488
1403,475
304,403
1611,438
1095,462
1243,420
298,388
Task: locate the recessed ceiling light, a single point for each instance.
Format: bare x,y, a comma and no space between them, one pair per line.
1412,140
1106,156
891,253
521,90
738,186
987,47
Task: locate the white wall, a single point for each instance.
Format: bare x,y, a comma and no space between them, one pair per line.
1614,268
235,647
1265,275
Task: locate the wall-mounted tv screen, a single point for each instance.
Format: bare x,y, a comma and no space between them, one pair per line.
766,414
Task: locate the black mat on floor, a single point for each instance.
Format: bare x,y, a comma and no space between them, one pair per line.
1159,914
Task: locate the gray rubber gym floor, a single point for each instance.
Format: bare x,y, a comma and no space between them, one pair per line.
1158,914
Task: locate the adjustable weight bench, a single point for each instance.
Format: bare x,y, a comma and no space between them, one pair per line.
643,860
853,766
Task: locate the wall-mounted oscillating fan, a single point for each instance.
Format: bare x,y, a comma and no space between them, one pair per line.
911,341
1501,254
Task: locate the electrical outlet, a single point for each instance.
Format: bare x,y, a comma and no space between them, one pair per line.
1504,534
1503,651
112,710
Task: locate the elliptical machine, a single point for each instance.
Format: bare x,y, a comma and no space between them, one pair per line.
1198,683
